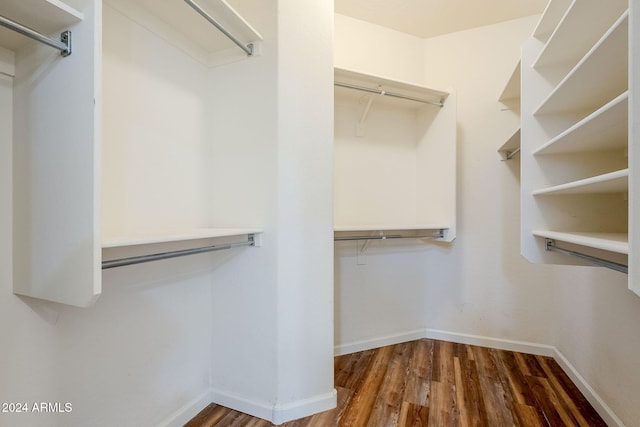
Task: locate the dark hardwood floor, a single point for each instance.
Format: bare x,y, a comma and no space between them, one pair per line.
438,383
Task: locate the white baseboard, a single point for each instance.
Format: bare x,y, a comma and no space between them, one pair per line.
278,413
598,404
503,344
363,345
180,417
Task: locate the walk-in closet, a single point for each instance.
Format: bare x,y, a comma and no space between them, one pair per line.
272,212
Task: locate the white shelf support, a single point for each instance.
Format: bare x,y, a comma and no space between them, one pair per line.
360,125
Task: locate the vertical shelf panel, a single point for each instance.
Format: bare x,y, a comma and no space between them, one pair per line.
634,146
56,158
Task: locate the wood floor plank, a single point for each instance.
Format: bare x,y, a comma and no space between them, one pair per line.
412,415
496,407
442,384
362,402
574,400
419,375
389,400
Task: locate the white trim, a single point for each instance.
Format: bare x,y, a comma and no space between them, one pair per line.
277,413
305,407
363,345
589,393
181,416
498,343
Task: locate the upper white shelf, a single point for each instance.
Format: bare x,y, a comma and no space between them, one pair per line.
393,87
174,236
613,242
614,182
184,27
605,129
511,90
551,16
578,30
44,16
598,78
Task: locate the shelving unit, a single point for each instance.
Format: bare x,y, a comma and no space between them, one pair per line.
394,156
115,168
575,135
510,97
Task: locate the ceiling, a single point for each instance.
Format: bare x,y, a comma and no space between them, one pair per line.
428,18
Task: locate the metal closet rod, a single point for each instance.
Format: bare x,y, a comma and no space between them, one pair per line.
550,245
63,45
385,93
121,262
248,48
435,235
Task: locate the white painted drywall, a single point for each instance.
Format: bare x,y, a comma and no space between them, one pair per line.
253,326
481,285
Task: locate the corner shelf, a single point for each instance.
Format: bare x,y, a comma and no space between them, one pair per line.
604,129
571,39
511,90
606,62
614,182
550,19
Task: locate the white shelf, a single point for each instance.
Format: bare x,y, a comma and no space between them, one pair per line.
174,236
605,129
613,242
579,29
598,78
183,27
551,16
45,16
511,90
387,227
614,182
510,147
374,82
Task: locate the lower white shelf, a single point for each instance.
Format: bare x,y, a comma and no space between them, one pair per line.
383,232
613,242
174,236
146,247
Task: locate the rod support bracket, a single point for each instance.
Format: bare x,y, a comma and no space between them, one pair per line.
65,37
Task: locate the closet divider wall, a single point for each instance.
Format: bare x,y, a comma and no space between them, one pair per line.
77,211
575,136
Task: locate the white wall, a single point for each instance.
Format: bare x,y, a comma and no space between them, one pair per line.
481,285
251,327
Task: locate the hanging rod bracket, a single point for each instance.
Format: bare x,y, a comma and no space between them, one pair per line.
65,37
550,245
63,45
